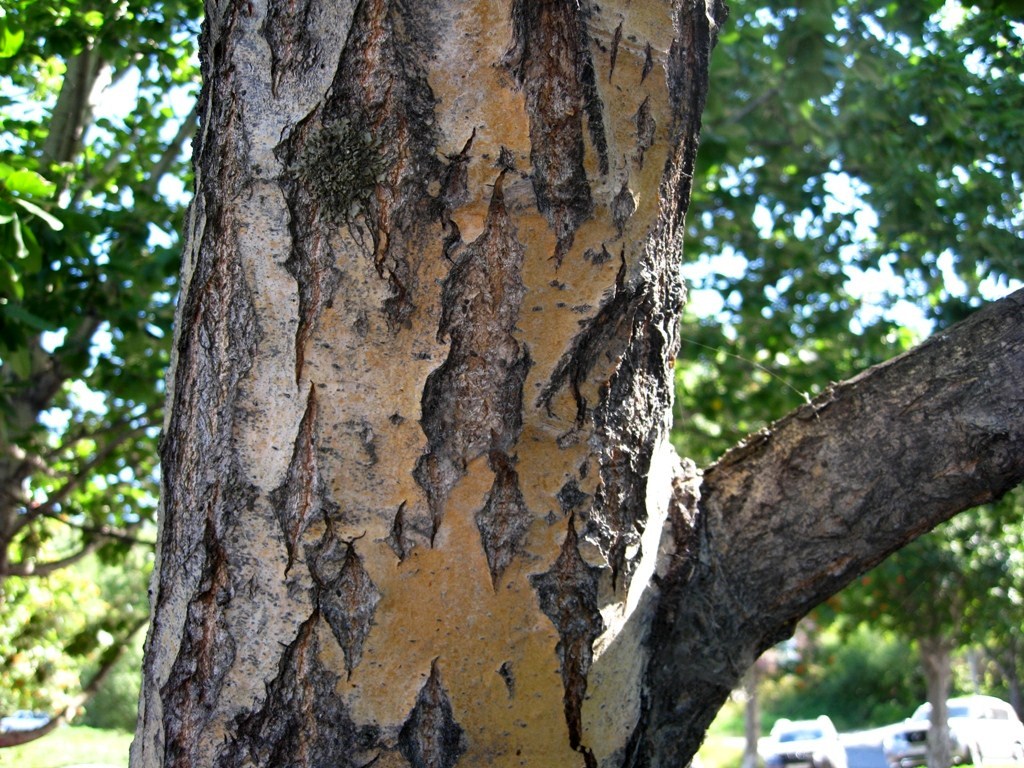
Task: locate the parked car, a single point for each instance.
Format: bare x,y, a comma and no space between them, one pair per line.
980,728
23,720
804,744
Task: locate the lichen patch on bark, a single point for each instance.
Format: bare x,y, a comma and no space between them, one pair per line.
382,78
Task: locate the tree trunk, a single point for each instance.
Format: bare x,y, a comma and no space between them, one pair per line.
751,717
420,508
938,672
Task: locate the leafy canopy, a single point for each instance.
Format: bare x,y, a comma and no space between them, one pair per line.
859,167
860,184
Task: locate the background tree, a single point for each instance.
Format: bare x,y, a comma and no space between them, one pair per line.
858,171
999,543
89,217
417,485
821,239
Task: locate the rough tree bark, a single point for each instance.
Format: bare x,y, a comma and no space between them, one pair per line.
419,504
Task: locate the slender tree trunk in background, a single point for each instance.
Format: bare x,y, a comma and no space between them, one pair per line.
936,658
419,504
751,716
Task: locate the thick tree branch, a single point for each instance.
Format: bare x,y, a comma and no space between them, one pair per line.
790,516
32,568
125,535
71,113
872,464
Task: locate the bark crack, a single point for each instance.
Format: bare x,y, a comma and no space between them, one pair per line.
303,499
430,737
551,60
568,596
472,403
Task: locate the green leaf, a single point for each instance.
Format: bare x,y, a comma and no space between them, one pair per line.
10,282
94,19
19,314
20,361
26,182
10,41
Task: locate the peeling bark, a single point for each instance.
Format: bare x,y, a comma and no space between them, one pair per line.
430,737
302,722
504,521
568,595
551,60
472,404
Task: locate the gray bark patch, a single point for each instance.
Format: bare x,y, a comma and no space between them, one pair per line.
430,737
347,597
396,537
295,49
623,206
206,653
645,130
568,596
472,404
205,493
570,497
507,674
603,338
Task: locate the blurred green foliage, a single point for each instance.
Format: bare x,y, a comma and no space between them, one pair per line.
860,161
860,680
93,168
115,706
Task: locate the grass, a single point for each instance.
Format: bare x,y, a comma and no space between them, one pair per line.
720,752
82,746
71,746
723,746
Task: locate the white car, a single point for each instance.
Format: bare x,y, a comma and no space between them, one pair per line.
804,744
980,728
23,720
